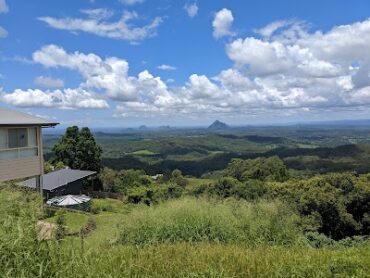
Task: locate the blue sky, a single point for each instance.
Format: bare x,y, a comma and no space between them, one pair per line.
132,62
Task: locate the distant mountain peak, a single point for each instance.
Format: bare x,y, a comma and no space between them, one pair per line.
218,125
143,127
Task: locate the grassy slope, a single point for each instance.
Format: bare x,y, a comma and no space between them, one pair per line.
101,259
207,259
214,260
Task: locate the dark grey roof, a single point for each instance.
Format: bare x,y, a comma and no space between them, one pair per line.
59,178
15,118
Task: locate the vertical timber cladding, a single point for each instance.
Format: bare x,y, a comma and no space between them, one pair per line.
19,168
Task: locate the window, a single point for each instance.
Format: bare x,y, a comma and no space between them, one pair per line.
18,138
18,143
32,137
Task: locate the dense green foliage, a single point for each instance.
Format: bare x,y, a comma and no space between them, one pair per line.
308,150
78,149
263,169
337,205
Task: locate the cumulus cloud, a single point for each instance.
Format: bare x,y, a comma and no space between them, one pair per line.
191,9
49,82
110,75
222,23
64,99
272,57
284,30
285,70
96,23
166,67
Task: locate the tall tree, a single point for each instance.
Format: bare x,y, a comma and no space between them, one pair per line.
78,149
65,149
88,155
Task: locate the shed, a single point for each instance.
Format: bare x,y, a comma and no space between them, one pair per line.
61,182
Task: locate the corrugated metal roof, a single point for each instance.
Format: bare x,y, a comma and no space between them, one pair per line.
59,178
15,118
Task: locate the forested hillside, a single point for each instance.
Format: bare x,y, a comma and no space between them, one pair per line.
199,151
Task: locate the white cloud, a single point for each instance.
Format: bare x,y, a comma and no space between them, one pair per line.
49,82
3,7
131,2
272,57
122,29
270,28
110,75
98,14
287,72
222,23
191,9
284,30
199,86
166,67
64,99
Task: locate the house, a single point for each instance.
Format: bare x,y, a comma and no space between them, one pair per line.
61,182
21,153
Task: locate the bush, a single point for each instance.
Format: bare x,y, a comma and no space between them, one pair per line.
130,179
167,191
319,240
140,194
153,194
194,220
336,205
230,187
89,227
197,190
264,169
61,229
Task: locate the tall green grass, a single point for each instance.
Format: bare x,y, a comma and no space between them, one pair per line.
201,220
219,260
22,254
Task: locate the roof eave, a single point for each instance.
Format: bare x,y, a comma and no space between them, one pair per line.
30,124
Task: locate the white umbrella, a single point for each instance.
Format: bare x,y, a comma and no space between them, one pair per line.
68,200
